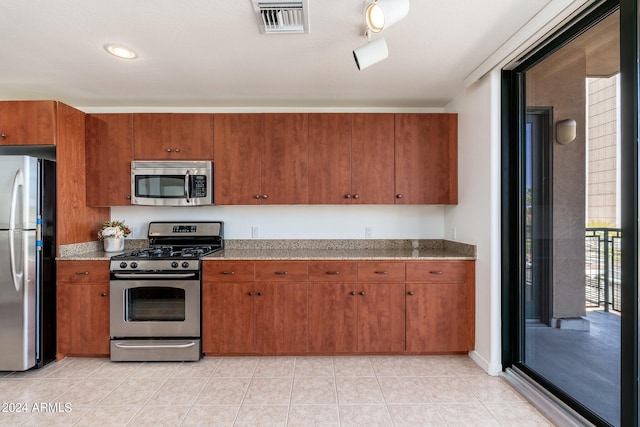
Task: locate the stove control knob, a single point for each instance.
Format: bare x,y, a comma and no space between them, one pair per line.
185,264
134,264
174,264
123,265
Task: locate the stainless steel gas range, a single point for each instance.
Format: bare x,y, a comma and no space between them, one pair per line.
155,293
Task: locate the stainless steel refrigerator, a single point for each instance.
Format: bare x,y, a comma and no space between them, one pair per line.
27,262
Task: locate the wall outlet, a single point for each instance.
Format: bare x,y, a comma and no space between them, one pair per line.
135,231
368,232
255,232
454,233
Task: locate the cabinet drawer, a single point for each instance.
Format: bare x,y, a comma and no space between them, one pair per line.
437,272
333,271
381,272
83,271
228,271
282,271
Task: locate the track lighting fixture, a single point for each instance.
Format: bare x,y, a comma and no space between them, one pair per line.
381,14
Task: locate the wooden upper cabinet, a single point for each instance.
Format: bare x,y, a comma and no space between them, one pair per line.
28,122
173,136
285,159
76,221
238,156
109,152
426,159
372,159
330,159
351,158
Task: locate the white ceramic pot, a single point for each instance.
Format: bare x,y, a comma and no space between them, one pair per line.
113,244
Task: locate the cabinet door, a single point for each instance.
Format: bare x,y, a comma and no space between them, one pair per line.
109,152
27,122
437,318
237,153
285,159
83,319
227,318
76,222
330,158
381,317
173,136
333,324
426,159
372,159
281,318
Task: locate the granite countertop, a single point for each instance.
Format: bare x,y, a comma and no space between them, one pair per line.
303,250
336,254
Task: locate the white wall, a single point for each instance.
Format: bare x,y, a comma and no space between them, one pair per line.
476,218
300,222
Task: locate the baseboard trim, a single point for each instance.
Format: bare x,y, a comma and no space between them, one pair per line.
492,369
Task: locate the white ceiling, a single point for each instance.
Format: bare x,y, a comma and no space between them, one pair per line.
210,53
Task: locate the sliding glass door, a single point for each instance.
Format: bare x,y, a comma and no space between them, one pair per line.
568,295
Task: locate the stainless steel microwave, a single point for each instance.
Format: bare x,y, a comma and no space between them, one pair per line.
171,183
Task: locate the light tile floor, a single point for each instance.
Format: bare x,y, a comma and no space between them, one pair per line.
264,391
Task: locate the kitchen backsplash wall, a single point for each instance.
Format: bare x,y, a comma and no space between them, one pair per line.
300,222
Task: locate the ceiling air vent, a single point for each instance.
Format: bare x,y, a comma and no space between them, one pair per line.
282,17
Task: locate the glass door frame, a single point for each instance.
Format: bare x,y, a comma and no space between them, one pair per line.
512,211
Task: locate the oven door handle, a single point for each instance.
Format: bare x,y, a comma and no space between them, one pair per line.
136,346
153,276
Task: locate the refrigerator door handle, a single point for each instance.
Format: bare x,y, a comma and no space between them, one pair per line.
18,181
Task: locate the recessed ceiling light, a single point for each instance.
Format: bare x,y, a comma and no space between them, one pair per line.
120,51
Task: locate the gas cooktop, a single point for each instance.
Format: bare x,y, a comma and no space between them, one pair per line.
173,247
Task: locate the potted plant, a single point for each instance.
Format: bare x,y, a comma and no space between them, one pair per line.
112,234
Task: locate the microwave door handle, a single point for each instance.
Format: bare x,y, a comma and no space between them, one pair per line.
187,186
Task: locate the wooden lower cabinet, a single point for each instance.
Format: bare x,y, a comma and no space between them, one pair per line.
440,301
227,318
356,318
254,318
381,318
333,318
281,318
83,308
344,307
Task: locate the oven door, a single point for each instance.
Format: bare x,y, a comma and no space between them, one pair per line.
155,308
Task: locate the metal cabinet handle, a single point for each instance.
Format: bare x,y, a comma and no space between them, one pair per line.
103,294
264,196
333,273
177,150
250,294
347,196
128,197
362,293
436,272
381,272
257,196
282,273
228,273
82,273
259,294
410,293
168,150
356,196
3,135
353,293
399,196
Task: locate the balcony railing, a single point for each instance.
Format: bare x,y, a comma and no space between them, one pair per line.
602,268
